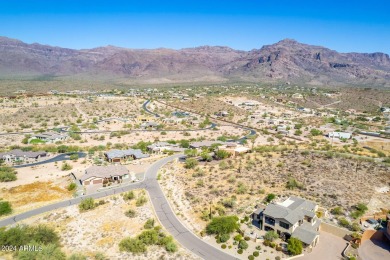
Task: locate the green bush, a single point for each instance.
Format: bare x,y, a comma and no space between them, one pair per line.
72,186
271,236
222,225
240,251
224,238
133,245
238,237
149,237
247,238
100,256
24,235
131,213
251,257
343,222
7,174
243,244
256,253
87,204
270,197
5,208
294,246
47,252
171,247
223,246
190,163
66,167
337,211
141,201
258,247
149,223
128,195
74,157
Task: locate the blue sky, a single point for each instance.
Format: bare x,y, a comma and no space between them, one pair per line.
346,26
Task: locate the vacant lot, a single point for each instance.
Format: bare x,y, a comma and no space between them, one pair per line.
98,231
231,185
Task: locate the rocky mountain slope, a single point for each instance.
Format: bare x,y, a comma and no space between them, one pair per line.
285,61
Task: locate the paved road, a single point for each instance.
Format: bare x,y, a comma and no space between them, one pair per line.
144,106
58,158
169,220
161,205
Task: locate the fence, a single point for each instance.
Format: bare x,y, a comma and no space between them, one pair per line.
334,230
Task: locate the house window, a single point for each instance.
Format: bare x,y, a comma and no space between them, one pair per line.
284,225
270,221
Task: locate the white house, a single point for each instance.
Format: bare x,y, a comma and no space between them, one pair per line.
340,135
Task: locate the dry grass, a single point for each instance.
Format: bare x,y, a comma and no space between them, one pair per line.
37,192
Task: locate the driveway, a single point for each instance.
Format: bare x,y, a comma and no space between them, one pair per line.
374,250
329,247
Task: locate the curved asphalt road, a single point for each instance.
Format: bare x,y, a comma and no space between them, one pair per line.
144,106
160,203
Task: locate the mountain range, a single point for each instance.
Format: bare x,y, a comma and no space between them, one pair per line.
284,61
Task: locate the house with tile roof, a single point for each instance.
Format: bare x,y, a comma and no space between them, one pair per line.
123,155
19,156
294,217
104,174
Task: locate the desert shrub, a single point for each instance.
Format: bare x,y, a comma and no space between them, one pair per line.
277,257
239,251
343,222
256,253
133,245
294,246
258,247
128,195
141,201
251,257
5,208
229,203
47,252
355,227
171,247
220,154
190,163
72,186
87,204
222,225
24,235
271,236
7,174
241,188
149,223
223,246
243,244
131,213
149,237
100,256
247,238
238,237
270,197
74,157
224,238
337,211
66,167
